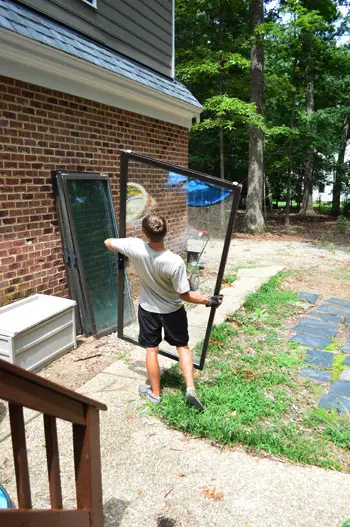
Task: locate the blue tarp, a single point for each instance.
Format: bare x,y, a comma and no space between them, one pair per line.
199,194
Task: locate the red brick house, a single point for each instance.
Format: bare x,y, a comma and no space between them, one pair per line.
80,80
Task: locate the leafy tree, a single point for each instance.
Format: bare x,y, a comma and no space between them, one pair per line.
298,38
213,61
303,62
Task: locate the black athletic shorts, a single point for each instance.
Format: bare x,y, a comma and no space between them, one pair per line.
175,328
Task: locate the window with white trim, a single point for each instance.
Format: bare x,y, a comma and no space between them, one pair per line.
93,3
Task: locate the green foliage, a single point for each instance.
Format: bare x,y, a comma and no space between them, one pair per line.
342,223
337,365
270,296
249,388
210,64
301,43
330,425
212,59
343,276
230,278
227,112
332,248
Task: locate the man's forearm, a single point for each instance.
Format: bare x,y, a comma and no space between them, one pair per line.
108,244
194,298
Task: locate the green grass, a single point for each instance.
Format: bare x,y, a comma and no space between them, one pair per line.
230,278
337,365
343,276
323,208
329,425
252,391
251,265
282,204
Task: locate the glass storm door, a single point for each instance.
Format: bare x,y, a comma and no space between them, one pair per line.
87,218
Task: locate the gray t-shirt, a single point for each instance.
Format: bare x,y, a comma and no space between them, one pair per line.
162,274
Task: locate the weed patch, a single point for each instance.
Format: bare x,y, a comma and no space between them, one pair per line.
230,278
343,277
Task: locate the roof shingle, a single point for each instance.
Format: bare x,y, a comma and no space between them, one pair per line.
28,23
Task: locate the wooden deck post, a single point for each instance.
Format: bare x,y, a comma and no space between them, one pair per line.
20,456
87,460
53,461
20,389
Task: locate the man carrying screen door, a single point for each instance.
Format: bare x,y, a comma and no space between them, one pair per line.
164,285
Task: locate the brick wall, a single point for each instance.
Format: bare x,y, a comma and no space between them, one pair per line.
42,130
170,202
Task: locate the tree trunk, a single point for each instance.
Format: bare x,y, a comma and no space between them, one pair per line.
269,195
222,175
290,154
222,154
221,137
221,130
254,219
221,91
307,208
340,167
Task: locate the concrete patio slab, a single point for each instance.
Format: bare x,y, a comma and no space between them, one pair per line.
346,347
345,376
340,388
316,375
311,341
321,358
333,310
307,321
323,316
335,402
338,302
309,297
312,330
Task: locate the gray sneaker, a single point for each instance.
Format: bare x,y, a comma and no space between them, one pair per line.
193,399
146,392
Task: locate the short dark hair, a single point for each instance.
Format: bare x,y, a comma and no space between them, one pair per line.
154,227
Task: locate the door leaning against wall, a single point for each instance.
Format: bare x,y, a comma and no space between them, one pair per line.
86,218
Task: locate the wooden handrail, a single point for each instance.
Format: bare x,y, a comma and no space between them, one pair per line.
40,381
24,389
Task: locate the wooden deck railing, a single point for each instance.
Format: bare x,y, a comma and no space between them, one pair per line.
24,389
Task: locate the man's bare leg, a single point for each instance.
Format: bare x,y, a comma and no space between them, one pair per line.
186,364
153,370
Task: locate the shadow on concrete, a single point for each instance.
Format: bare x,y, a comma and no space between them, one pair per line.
114,511
3,411
162,521
138,366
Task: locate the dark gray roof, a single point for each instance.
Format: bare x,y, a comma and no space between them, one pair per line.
29,23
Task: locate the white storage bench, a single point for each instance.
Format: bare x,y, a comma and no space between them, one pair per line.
36,330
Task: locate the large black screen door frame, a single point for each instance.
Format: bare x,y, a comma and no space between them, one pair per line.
125,158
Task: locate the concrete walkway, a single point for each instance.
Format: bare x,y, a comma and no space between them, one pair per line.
154,476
